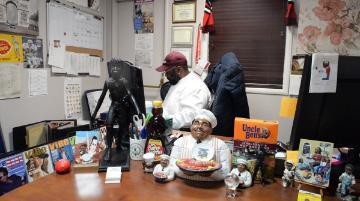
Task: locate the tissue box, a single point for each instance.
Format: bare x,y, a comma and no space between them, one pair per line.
255,130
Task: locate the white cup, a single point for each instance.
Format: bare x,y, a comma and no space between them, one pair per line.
149,158
137,149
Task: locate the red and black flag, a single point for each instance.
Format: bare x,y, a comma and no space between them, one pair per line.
208,21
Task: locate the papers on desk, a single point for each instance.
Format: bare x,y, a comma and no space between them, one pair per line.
113,175
79,63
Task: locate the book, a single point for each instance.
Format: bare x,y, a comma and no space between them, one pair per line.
36,134
38,162
314,162
61,149
307,196
87,148
247,150
15,169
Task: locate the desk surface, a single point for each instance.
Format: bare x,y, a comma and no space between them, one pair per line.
88,184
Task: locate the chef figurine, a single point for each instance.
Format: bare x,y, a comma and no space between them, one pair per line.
289,173
347,179
163,171
243,173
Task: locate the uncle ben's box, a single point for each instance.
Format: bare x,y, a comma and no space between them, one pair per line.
255,130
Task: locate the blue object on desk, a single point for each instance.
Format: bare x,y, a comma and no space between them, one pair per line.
103,115
143,133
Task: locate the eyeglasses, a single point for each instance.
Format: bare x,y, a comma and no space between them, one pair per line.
201,124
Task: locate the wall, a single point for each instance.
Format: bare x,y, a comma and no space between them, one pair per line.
262,106
25,110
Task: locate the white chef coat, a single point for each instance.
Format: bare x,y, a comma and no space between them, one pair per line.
182,149
184,99
244,176
166,171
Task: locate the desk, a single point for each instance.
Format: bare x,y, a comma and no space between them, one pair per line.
87,184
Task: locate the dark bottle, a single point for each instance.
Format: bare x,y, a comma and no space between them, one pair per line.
156,127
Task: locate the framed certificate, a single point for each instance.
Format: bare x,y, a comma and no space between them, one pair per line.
182,36
184,12
186,51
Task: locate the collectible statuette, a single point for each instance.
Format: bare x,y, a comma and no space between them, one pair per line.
289,174
347,179
163,172
118,118
148,163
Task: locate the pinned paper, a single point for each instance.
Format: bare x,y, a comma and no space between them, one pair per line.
293,155
288,107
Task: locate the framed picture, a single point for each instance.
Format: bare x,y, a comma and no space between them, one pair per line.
182,35
184,12
186,51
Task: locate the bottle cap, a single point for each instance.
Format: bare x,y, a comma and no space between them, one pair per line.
157,103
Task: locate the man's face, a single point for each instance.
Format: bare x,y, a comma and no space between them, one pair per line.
201,129
3,177
173,75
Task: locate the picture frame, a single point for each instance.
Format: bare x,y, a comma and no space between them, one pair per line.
184,12
182,35
186,51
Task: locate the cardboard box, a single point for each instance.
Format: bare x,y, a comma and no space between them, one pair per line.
255,130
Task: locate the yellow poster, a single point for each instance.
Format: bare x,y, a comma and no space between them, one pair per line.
288,107
11,48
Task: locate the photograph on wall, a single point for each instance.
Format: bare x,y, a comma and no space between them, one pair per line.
61,149
12,173
19,16
144,16
314,162
38,162
33,52
324,68
329,26
87,148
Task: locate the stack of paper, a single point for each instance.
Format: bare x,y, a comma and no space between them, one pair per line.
113,175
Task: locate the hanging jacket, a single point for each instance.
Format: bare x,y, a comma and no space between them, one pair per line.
226,83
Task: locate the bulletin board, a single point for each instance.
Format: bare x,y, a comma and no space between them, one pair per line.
78,30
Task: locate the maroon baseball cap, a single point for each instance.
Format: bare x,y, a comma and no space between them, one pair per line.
171,60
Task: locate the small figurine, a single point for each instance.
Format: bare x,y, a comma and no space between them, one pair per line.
289,173
148,162
163,171
243,173
347,179
260,153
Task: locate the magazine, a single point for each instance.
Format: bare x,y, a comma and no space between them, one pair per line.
314,163
87,148
247,150
61,149
38,162
14,169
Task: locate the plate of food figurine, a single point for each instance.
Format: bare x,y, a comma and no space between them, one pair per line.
194,166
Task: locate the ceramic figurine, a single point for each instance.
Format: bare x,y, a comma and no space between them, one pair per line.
347,179
148,163
242,172
163,171
289,173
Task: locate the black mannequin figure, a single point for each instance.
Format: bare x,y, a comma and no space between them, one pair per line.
119,114
260,156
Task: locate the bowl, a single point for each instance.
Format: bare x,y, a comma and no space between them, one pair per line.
160,178
193,166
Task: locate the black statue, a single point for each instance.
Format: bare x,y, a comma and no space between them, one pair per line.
119,114
260,153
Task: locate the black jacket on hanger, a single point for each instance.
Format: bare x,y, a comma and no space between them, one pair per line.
226,83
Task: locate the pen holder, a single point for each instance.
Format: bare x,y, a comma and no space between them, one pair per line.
137,147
